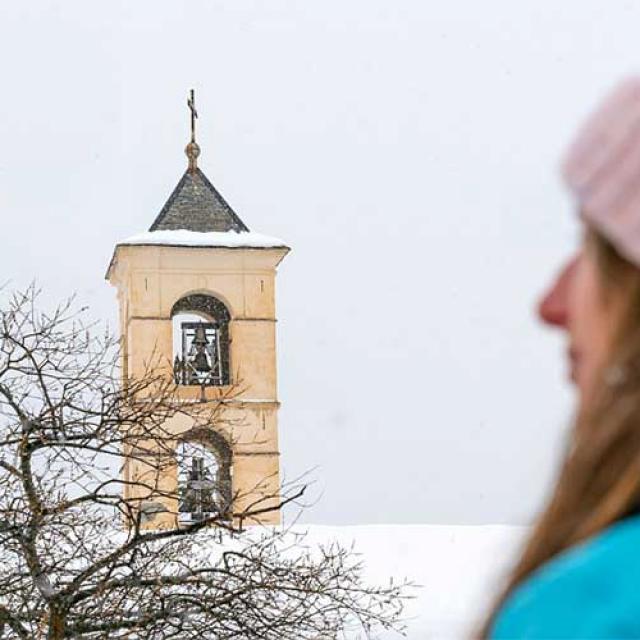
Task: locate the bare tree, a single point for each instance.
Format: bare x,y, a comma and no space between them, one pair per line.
77,559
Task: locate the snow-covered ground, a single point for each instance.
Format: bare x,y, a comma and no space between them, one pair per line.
459,568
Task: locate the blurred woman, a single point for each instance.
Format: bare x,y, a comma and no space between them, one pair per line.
579,574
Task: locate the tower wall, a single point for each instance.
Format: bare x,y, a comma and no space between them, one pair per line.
150,280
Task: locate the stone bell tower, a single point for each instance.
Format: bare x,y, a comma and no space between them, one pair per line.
197,291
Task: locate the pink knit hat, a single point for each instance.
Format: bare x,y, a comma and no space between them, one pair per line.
602,169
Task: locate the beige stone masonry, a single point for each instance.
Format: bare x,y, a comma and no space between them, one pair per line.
150,280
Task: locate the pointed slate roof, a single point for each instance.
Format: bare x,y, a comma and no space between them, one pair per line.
196,205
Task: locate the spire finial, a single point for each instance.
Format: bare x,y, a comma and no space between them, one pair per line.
192,150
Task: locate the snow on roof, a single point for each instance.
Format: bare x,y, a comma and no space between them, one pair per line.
457,570
225,239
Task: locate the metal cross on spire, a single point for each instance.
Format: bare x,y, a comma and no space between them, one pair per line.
191,103
192,150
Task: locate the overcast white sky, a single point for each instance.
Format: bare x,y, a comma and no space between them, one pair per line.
407,150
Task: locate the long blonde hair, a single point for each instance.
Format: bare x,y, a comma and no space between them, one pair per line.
599,482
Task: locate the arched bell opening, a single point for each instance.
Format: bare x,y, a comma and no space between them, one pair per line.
201,341
204,476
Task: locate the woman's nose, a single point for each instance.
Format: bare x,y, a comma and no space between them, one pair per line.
553,308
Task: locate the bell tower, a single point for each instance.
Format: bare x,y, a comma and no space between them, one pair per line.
197,292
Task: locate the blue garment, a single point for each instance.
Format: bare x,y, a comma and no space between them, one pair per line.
590,591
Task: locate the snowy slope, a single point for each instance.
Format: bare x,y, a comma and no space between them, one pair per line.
459,568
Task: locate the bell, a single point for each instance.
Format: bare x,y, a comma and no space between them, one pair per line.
199,360
201,337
